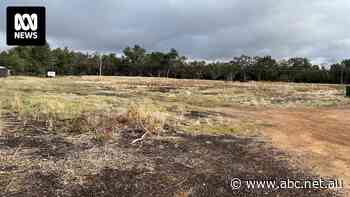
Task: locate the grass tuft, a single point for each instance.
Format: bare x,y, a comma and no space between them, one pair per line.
146,117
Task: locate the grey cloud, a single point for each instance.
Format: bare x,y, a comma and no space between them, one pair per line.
203,29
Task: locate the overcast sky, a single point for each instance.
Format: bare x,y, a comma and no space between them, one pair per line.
200,29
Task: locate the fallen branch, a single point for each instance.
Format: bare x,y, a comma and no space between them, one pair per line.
140,139
147,132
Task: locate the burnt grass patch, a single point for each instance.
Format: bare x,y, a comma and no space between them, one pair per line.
35,137
197,166
175,164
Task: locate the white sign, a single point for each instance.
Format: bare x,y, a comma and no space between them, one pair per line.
51,74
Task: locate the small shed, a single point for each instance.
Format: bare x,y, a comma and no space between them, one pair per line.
4,72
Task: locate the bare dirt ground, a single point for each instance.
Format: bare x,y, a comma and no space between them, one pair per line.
178,164
319,137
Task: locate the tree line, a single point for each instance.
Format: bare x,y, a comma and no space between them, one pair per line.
136,61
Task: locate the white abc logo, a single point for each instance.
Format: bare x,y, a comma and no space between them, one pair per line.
32,22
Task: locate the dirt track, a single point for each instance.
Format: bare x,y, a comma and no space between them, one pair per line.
321,137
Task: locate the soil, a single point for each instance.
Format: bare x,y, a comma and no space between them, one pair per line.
176,164
319,137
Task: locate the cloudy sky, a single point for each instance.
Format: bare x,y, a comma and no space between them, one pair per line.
200,29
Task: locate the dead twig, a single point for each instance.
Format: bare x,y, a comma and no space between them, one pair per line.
147,132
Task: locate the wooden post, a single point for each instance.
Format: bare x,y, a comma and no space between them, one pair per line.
100,66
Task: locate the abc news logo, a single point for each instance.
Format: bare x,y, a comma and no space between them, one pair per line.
26,26
32,21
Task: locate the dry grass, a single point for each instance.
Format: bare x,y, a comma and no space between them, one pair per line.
146,117
79,115
86,104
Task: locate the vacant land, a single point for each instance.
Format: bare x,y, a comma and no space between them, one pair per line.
72,136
